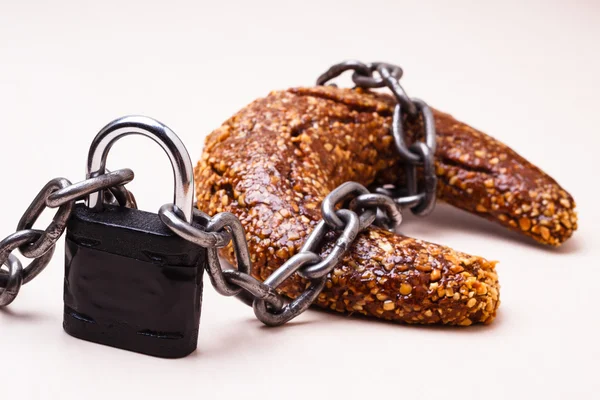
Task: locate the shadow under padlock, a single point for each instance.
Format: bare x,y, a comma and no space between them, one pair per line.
130,282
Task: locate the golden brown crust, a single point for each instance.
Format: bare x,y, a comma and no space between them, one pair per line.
408,280
274,162
476,172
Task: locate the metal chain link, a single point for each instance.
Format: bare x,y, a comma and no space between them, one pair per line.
269,306
418,196
40,245
218,232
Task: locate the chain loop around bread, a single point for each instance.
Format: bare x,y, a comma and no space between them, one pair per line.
418,196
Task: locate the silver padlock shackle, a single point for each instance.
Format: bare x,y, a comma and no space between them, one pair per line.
167,139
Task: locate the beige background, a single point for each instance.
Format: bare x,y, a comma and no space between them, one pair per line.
526,72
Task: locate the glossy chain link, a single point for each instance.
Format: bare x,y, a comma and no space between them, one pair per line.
269,306
39,245
420,198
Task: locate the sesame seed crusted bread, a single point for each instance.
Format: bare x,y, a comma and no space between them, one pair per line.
273,163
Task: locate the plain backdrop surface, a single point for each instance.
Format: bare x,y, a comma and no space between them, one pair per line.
524,72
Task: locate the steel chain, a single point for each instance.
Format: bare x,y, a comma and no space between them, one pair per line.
212,233
418,196
346,211
39,245
269,306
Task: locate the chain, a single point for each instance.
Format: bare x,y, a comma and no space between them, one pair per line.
418,196
364,209
39,245
346,211
212,233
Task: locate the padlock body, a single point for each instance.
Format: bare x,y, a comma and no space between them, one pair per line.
131,283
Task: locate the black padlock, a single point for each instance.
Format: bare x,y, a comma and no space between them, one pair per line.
130,282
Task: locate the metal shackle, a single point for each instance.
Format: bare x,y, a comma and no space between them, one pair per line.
183,171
